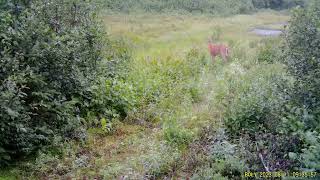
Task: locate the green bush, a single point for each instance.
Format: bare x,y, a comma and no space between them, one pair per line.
223,161
257,100
111,95
302,57
112,98
49,52
309,155
254,103
269,51
177,136
264,151
274,115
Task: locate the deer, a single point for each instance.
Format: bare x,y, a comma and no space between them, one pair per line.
218,49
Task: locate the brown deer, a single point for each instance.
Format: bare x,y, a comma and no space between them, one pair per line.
218,49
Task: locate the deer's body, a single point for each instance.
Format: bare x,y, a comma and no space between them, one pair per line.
218,50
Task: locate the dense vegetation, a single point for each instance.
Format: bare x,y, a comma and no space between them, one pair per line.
60,75
76,102
51,54
301,54
278,4
272,115
215,7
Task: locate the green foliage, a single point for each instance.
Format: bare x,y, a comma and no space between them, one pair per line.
278,4
275,117
223,160
170,83
269,51
177,136
112,98
302,58
254,104
104,125
216,34
51,78
310,156
270,150
49,56
257,99
215,7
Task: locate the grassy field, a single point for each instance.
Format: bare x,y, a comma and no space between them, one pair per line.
141,150
161,35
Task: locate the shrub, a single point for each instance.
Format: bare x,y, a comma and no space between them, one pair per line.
269,151
177,136
302,58
112,98
310,157
275,113
223,161
269,51
49,51
257,100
